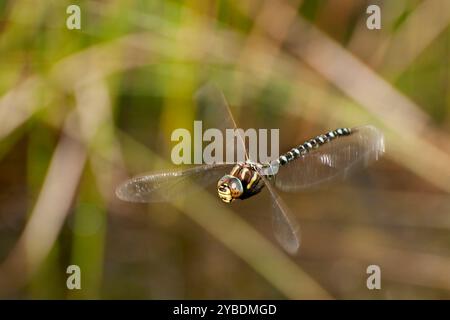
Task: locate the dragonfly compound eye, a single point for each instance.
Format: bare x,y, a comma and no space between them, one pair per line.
229,188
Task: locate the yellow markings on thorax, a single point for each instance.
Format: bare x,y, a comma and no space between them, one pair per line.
245,172
253,180
235,170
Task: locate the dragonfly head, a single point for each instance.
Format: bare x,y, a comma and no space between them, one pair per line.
229,188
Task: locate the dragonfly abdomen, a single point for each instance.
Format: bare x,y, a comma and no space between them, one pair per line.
314,143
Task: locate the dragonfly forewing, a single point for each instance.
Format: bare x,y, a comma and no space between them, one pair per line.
165,186
215,113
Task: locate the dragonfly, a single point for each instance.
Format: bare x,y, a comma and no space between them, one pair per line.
328,157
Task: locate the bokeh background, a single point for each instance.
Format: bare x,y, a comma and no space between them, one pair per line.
82,110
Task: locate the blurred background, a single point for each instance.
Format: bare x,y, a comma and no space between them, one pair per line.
82,110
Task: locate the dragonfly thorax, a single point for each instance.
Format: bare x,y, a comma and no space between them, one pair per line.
242,182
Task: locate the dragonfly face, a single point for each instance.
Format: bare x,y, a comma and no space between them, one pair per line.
229,188
242,182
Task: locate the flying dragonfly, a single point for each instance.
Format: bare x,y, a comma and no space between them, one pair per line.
325,158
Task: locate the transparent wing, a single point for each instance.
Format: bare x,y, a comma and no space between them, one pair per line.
333,160
164,186
285,226
215,113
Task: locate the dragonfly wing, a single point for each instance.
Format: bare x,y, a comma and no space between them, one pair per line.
216,114
333,160
164,186
285,226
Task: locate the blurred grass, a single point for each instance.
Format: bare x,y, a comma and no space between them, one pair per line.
118,87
